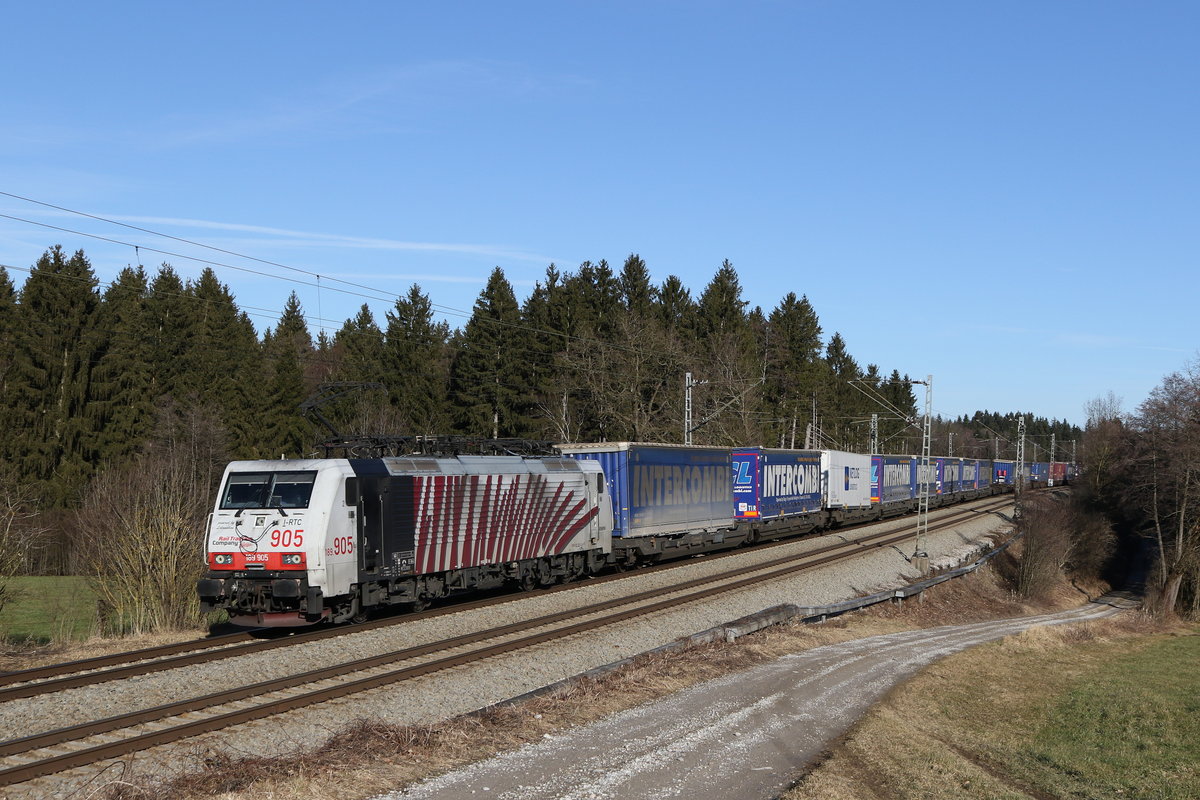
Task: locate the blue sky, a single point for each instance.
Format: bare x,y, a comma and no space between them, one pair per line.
1002,195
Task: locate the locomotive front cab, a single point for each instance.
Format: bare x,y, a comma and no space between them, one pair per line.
266,542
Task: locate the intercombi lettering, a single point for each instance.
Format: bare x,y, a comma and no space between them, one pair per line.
896,474
664,485
781,480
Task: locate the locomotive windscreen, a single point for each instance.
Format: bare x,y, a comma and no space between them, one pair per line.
268,489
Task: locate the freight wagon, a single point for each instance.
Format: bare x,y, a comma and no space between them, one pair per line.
893,484
665,497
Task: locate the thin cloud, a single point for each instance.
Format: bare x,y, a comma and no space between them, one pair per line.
381,100
265,236
316,239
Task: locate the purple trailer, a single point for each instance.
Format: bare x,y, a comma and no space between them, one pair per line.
771,484
893,480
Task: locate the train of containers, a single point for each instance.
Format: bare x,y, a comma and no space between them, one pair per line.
292,542
674,497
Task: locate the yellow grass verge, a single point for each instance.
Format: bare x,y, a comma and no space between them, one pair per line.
941,734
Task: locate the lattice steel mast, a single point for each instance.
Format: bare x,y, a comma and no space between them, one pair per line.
920,558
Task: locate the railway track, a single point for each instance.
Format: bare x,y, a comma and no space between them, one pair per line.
55,751
116,666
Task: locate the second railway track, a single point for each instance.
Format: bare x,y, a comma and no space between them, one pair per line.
54,751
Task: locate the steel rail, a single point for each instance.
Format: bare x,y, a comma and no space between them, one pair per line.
85,672
20,773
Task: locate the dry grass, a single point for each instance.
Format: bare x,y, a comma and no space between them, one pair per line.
939,736
38,655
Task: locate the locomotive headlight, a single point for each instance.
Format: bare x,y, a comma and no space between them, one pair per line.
293,558
223,558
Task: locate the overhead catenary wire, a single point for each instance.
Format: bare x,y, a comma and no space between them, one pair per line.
320,281
379,295
315,357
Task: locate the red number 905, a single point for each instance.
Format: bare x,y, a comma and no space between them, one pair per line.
343,545
287,538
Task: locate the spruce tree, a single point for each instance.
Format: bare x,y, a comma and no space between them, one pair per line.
728,360
417,363
594,296
222,362
286,351
170,313
358,348
488,372
554,379
676,308
8,326
123,404
54,439
721,311
842,402
792,353
637,292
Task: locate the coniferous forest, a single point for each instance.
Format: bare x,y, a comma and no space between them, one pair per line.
106,388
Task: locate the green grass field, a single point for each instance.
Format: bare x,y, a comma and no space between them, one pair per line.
1130,729
42,610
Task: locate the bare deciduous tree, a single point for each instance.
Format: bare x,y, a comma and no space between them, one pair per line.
1062,536
1046,547
141,528
1163,476
1101,446
20,533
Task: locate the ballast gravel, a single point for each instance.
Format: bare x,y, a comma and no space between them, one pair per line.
463,689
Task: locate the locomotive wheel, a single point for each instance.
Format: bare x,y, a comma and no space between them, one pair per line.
420,604
529,581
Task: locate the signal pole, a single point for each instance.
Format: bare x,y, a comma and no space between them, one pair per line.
688,383
874,434
1020,458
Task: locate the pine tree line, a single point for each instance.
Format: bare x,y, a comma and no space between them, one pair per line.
92,378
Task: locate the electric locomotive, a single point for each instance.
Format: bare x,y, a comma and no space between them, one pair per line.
300,541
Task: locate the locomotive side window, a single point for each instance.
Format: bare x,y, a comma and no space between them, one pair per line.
351,492
268,490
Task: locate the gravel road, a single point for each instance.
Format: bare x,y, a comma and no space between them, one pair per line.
746,735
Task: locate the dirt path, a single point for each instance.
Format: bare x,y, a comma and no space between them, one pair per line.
747,735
